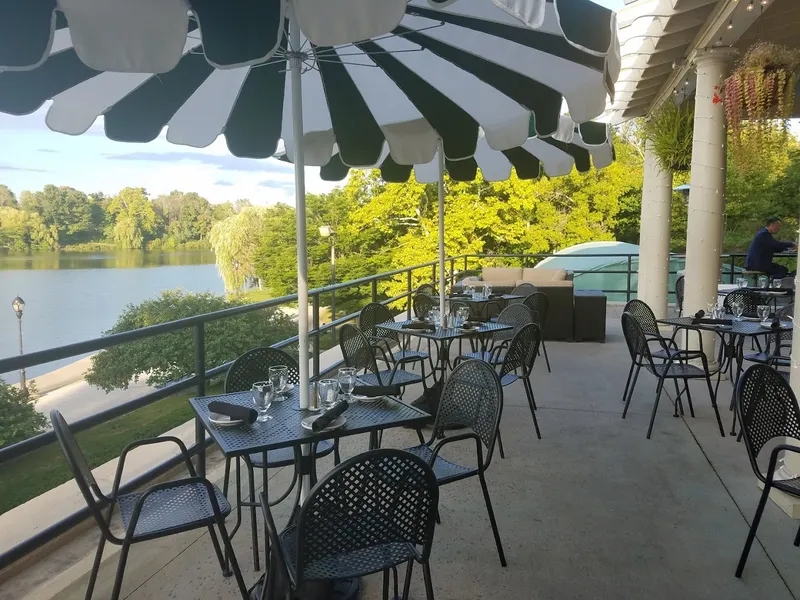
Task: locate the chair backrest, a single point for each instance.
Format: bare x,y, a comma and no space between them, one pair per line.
523,289
750,300
374,499
427,288
644,316
422,304
356,350
517,315
522,351
767,410
371,316
456,304
679,293
254,366
81,472
636,341
786,313
539,304
472,398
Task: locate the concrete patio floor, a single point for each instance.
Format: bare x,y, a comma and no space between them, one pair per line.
593,510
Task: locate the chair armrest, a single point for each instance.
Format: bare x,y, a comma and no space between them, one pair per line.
149,442
773,458
456,438
682,355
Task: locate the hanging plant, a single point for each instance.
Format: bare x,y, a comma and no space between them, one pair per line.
759,99
670,129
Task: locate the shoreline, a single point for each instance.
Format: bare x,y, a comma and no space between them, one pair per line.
61,377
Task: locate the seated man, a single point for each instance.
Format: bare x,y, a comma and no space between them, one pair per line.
762,249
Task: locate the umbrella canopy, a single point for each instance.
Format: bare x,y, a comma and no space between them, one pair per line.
442,70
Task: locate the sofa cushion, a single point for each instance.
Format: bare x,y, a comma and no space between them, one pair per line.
492,274
541,275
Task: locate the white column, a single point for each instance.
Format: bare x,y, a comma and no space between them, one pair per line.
707,194
654,234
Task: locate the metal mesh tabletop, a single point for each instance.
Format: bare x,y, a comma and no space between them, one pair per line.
446,333
740,328
284,429
481,299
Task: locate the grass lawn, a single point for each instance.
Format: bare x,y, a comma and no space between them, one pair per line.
41,470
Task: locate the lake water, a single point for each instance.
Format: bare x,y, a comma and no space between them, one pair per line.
75,296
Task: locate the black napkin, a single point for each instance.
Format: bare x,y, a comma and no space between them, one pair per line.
697,316
234,411
459,295
496,295
373,391
714,321
419,325
776,323
472,324
329,416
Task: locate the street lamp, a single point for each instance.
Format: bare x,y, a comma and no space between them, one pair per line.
327,231
18,304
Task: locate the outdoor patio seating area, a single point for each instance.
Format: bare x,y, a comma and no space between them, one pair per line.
592,510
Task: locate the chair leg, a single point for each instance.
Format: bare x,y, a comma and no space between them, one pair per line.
546,358
407,584
489,509
386,584
98,557
500,443
426,570
218,551
753,527
531,403
688,397
714,404
336,457
678,401
630,391
123,559
226,540
251,481
530,387
659,389
628,381
797,538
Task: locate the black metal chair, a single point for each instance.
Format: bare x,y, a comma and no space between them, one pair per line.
373,512
679,284
675,367
358,353
471,400
250,367
427,288
750,300
369,321
517,315
518,365
539,304
775,354
159,511
768,412
523,289
422,305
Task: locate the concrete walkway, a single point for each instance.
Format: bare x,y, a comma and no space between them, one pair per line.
593,510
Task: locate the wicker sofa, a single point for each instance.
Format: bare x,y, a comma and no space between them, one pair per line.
555,283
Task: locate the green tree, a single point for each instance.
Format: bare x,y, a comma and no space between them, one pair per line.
234,241
22,231
187,217
170,357
19,419
135,221
67,209
7,197
223,210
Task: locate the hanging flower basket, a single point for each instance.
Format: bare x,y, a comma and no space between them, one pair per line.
759,98
670,129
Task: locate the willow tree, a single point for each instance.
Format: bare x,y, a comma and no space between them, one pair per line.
235,241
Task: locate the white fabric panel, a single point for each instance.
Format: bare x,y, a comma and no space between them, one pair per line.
493,164
74,110
428,172
487,11
566,129
504,122
582,87
62,40
602,154
145,36
411,138
554,161
333,22
203,116
530,12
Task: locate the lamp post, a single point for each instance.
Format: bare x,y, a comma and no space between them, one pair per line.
326,231
18,304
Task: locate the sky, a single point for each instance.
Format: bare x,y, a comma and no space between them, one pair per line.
33,156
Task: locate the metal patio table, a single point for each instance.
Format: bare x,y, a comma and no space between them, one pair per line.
443,337
731,354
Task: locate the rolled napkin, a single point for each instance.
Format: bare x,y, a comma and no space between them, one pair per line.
373,391
492,296
473,324
459,295
329,416
697,316
419,325
776,323
714,321
234,411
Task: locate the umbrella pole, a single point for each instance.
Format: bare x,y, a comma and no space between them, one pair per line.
440,154
295,62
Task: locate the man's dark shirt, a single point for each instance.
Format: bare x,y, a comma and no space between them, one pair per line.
762,248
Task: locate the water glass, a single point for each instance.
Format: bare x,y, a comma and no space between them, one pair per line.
710,306
763,312
278,376
487,290
462,314
262,392
328,391
718,312
741,282
738,309
347,381
777,283
745,282
763,281
436,316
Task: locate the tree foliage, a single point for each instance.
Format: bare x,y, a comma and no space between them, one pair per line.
170,357
7,197
234,241
19,418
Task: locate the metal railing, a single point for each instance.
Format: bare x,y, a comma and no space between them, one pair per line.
201,376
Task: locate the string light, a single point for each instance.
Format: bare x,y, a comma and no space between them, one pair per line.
751,6
730,24
764,2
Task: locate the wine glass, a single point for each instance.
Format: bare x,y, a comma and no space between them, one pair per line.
278,376
763,281
262,392
745,282
327,390
777,283
763,312
463,315
710,306
436,316
741,282
347,381
488,290
738,309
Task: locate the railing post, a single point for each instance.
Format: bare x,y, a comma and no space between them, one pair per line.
433,275
374,290
733,265
409,298
200,374
630,267
315,328
452,272
333,315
